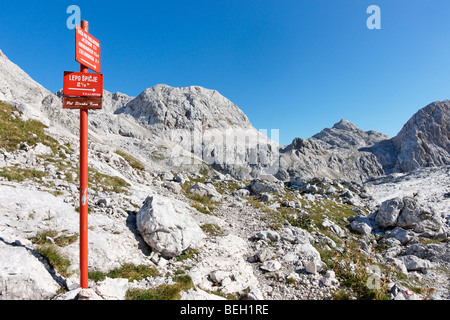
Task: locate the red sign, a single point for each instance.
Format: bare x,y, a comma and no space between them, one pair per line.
87,49
82,103
83,84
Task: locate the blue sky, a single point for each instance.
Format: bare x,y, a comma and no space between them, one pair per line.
298,66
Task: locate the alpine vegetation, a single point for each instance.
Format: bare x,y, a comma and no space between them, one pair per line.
187,200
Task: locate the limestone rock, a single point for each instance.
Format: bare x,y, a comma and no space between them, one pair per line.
424,140
388,213
271,265
206,190
23,276
414,263
165,224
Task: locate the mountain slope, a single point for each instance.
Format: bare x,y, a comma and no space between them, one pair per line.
204,122
180,124
347,151
424,140
263,239
338,152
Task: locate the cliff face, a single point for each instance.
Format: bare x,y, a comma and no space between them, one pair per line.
424,140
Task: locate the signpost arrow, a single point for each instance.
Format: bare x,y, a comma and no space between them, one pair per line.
81,84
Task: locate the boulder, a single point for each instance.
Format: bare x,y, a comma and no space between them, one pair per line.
23,276
259,186
221,277
417,217
271,266
206,190
361,225
306,253
388,212
414,263
112,289
312,267
243,192
166,226
172,186
400,234
268,235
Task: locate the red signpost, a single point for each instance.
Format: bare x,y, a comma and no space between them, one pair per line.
87,49
82,84
84,91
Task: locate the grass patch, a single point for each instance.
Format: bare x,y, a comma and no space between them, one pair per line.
226,187
112,183
51,254
212,229
350,267
134,163
127,271
14,132
61,241
163,292
202,203
21,174
187,255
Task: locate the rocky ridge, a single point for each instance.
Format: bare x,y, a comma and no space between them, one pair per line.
314,235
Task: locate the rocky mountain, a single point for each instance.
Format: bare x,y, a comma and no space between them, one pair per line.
349,152
424,140
188,201
208,125
340,151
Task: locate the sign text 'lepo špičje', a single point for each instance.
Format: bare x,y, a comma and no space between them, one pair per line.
82,84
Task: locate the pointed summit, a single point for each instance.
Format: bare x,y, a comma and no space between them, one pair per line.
345,125
345,134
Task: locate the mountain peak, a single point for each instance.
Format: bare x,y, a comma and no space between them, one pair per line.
186,108
345,125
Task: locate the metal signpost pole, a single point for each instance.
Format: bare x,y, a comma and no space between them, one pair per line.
84,91
84,185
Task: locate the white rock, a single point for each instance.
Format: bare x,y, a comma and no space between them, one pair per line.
312,267
23,276
271,265
220,275
241,193
165,224
199,294
268,235
112,289
226,254
254,293
414,263
206,190
88,294
42,150
293,276
388,213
